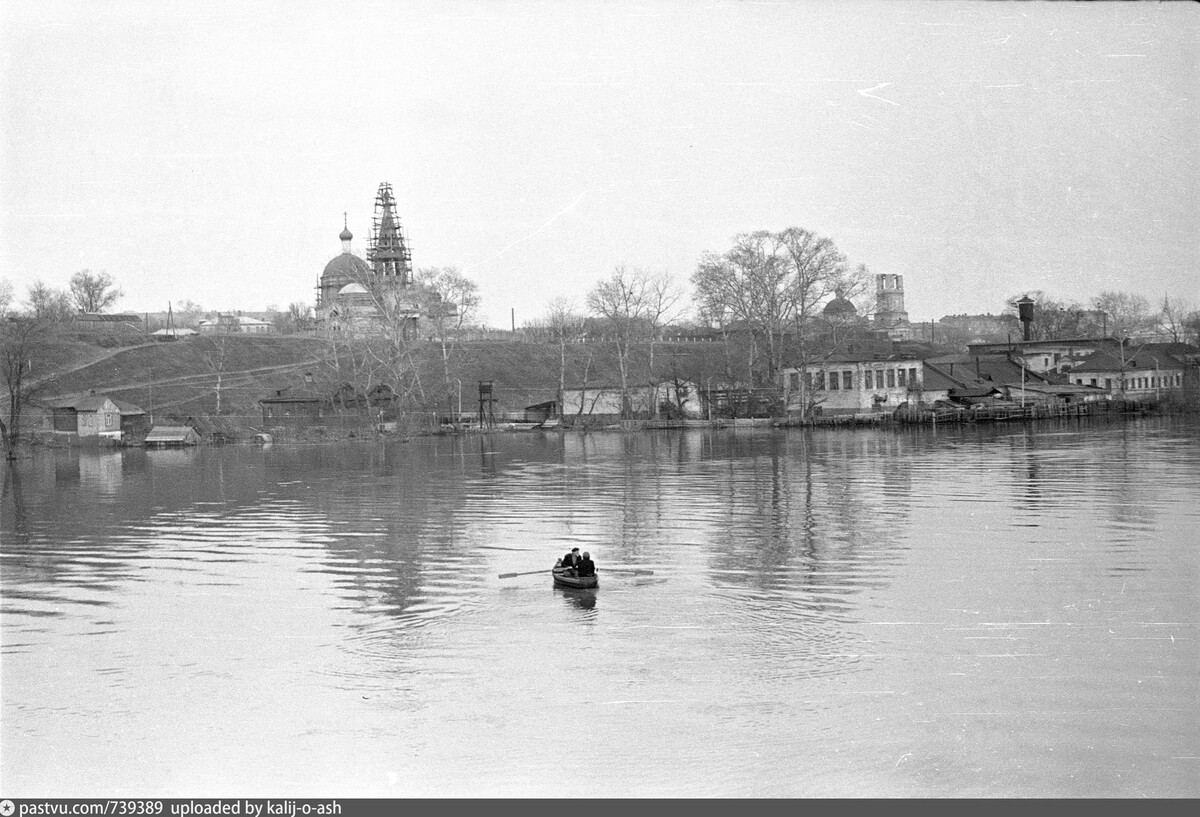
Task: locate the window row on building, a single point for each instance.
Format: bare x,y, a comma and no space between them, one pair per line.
1170,381
867,379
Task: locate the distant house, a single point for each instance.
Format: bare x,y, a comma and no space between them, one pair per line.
169,436
1137,370
235,324
1053,356
98,416
850,384
116,322
206,429
172,333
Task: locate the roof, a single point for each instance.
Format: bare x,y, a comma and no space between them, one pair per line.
1144,357
344,268
936,379
1063,388
240,320
975,391
867,356
996,367
96,317
1017,344
840,306
293,396
170,433
95,402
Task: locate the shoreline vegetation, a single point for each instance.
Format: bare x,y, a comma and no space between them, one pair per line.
215,386
358,431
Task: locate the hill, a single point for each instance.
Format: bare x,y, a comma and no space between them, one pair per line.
174,380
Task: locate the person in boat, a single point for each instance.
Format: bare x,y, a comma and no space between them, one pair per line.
572,559
586,566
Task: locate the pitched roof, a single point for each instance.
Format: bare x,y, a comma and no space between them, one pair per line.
293,395
95,402
170,433
1143,358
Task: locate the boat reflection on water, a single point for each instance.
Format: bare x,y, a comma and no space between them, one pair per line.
582,598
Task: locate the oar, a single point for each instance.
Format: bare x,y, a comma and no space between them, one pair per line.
635,570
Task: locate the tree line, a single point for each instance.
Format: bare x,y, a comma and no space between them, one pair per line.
764,296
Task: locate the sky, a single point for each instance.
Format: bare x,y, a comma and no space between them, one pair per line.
207,152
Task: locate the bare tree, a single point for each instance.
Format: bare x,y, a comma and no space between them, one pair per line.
47,304
93,292
1125,314
1191,327
449,303
1054,318
299,316
748,286
188,314
6,297
1172,317
628,302
566,325
20,337
215,351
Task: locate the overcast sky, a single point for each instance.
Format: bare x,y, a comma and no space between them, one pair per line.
207,151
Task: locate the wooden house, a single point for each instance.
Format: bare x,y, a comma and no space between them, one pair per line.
97,416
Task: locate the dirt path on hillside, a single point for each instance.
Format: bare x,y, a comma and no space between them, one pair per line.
228,378
120,350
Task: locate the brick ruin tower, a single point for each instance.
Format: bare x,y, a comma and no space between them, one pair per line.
389,253
889,306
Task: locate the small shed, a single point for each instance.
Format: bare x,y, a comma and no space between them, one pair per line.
170,436
97,415
540,412
292,407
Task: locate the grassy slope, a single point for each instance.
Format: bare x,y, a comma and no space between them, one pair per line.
177,379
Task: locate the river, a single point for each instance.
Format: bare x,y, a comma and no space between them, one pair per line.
992,611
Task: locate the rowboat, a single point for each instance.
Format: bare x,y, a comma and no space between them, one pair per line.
565,577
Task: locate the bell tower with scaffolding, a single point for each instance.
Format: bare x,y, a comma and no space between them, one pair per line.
389,253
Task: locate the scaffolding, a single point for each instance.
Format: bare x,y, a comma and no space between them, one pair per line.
389,254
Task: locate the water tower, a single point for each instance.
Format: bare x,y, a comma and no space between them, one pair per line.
1025,314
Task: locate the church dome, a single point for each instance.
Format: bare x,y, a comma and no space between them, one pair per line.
840,307
345,234
345,268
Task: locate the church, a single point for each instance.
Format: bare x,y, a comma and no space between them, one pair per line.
378,294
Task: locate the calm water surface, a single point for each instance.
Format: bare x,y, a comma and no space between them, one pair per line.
966,612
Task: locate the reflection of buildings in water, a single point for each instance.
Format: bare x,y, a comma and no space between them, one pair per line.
790,506
100,472
172,457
